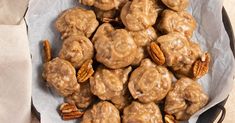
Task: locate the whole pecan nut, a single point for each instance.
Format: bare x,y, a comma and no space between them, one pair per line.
156,53
70,111
46,50
201,66
170,119
85,72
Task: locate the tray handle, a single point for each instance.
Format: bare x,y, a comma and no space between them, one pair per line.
223,113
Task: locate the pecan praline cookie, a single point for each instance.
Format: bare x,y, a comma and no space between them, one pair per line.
104,4
172,21
180,54
137,15
102,112
115,48
61,76
76,21
82,98
77,49
186,98
111,85
142,39
150,82
176,5
142,113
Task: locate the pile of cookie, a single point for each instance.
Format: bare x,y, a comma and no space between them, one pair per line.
121,60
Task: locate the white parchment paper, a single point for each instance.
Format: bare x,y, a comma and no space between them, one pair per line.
210,34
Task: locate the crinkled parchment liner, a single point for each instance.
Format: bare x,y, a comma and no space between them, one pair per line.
210,33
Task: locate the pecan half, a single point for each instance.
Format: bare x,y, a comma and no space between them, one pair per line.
70,111
201,66
156,53
85,72
170,119
46,50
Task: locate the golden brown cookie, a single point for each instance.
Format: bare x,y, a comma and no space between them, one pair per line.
102,112
104,4
123,100
61,76
180,54
142,113
139,14
172,21
186,98
115,48
82,98
76,21
110,84
77,49
142,39
177,5
149,82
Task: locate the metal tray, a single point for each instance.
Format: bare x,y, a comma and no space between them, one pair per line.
210,115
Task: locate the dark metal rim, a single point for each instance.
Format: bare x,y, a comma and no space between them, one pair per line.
223,113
